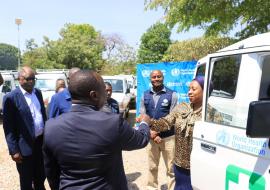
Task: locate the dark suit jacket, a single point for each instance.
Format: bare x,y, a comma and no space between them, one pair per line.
84,149
18,122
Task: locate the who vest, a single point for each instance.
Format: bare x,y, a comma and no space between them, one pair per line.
162,108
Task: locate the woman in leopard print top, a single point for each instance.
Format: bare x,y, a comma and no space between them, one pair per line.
183,117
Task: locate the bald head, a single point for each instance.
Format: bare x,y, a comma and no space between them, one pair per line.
25,70
87,87
72,71
156,78
26,77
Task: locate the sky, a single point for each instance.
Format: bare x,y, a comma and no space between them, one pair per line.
126,18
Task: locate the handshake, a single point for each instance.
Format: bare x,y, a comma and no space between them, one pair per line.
143,117
153,134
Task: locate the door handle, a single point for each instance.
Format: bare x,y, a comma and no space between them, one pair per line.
208,147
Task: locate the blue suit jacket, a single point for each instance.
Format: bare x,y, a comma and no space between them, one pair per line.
18,122
60,103
83,149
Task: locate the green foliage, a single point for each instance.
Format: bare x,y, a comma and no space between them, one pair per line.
196,48
216,16
154,42
41,57
8,57
79,46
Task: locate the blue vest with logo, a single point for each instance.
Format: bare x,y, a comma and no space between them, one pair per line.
162,109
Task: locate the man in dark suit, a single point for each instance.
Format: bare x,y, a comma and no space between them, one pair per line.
23,121
83,148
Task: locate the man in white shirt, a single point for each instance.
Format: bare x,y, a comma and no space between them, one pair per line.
24,117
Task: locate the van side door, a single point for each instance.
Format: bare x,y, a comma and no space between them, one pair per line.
223,157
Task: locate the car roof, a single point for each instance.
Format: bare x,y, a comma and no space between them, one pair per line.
50,75
114,77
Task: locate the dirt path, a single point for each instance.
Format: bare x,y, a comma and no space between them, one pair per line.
135,163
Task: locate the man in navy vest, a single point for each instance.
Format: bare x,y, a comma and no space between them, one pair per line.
157,102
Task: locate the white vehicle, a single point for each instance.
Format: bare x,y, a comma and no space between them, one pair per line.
120,92
234,154
9,84
132,83
46,81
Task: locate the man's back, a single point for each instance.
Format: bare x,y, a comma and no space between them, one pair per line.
87,146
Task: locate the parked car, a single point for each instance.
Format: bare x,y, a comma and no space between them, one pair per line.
46,81
120,92
10,78
132,84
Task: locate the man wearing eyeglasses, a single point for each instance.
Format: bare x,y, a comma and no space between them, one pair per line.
24,117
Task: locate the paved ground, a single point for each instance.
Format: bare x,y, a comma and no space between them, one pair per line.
135,163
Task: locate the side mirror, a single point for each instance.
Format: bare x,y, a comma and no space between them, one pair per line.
127,91
6,89
258,122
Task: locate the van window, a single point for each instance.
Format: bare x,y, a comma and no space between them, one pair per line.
201,70
6,86
45,84
222,90
117,85
265,80
224,76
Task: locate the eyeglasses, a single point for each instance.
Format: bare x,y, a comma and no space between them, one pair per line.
156,76
30,78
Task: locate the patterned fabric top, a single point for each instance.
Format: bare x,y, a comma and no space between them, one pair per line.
183,119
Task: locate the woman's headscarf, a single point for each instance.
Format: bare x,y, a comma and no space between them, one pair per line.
200,80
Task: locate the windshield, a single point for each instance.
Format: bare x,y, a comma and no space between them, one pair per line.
117,85
45,84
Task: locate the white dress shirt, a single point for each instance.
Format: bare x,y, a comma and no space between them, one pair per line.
35,109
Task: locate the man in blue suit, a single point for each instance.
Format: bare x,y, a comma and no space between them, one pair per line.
83,148
23,121
61,102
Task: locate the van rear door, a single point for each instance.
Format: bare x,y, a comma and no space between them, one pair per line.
223,157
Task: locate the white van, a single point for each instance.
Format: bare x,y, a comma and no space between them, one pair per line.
46,81
120,92
9,84
234,154
132,85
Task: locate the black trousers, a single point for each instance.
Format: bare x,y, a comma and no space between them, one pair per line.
182,178
31,170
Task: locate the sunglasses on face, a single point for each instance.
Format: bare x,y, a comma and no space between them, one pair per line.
30,79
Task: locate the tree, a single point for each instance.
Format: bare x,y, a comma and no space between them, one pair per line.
120,57
41,57
216,16
196,48
154,42
8,57
80,46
